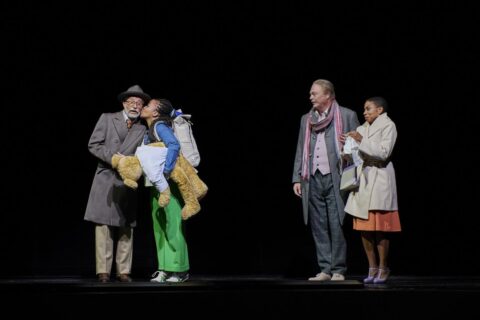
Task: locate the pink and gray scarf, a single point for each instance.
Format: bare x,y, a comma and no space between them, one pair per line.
317,126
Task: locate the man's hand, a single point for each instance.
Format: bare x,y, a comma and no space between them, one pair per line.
297,189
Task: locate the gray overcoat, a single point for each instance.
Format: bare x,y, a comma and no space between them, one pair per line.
110,201
350,122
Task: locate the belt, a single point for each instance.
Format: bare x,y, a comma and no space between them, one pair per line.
376,163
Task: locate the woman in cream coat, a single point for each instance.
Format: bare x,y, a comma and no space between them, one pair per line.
374,206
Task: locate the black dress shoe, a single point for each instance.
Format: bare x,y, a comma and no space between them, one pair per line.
103,277
124,278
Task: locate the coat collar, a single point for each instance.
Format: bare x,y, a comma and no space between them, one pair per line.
378,124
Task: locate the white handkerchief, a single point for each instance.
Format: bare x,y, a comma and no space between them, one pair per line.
351,147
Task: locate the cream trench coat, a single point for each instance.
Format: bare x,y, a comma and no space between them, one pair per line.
378,188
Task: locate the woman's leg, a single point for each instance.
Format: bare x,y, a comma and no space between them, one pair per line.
159,223
368,242
175,251
383,245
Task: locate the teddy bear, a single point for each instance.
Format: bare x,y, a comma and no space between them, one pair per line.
191,187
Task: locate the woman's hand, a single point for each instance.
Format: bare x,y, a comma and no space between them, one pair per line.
355,135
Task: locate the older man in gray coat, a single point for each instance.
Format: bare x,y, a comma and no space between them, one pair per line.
316,177
111,205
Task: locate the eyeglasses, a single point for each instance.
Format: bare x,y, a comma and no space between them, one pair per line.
134,103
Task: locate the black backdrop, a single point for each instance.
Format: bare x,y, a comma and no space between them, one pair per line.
244,71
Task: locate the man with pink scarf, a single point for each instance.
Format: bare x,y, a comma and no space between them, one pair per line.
316,177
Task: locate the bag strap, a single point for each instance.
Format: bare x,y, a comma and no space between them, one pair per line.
155,133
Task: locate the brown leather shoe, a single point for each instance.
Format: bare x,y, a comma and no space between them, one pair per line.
103,277
124,278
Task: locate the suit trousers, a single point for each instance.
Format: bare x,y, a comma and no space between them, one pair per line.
104,246
330,243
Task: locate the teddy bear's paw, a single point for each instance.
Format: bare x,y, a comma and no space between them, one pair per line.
200,190
115,160
131,183
163,200
189,211
185,215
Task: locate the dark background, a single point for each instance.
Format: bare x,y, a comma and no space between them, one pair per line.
243,70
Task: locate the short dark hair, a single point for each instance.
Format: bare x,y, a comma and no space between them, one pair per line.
379,102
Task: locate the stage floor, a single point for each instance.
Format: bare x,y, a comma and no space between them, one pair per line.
401,297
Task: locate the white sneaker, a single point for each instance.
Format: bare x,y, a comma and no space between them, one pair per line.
178,277
338,277
159,276
322,276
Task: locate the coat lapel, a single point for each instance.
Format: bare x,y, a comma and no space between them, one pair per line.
127,137
378,124
134,135
120,126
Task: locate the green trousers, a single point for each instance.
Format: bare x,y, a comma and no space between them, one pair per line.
172,251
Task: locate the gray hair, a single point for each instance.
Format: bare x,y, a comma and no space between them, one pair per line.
326,85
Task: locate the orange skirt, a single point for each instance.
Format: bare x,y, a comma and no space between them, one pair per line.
386,221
